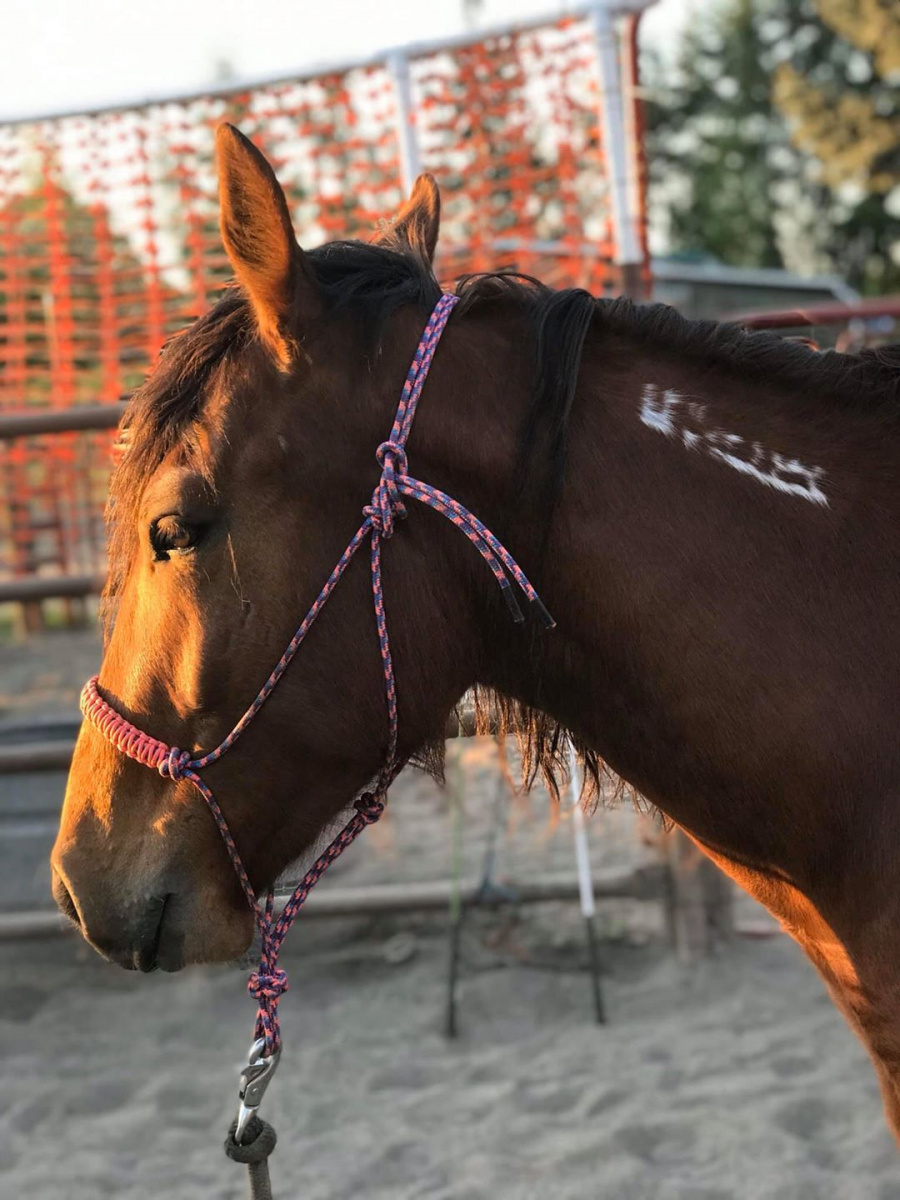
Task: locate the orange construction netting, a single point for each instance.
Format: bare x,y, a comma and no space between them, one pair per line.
109,239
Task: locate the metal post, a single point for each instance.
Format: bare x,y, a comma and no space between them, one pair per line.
457,907
410,159
628,252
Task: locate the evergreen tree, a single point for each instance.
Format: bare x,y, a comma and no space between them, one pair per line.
774,137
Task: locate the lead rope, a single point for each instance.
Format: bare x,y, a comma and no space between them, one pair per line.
250,1139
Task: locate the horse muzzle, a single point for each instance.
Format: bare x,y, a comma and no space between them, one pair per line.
165,927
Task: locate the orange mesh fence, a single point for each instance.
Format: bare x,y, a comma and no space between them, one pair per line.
510,128
109,238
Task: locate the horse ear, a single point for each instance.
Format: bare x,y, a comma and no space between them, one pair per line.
418,222
259,239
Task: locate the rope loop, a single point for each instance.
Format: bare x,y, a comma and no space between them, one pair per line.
259,1142
174,765
268,985
369,807
391,457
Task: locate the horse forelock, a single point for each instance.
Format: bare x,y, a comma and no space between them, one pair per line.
160,420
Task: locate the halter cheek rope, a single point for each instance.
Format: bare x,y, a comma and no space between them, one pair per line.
269,982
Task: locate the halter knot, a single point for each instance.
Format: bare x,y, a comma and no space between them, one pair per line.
386,505
369,807
391,457
174,765
268,985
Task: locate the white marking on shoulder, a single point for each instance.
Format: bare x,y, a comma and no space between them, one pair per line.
658,412
667,412
785,475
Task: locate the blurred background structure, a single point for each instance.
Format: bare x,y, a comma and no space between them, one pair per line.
109,234
774,139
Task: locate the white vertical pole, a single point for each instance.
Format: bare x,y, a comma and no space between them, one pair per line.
628,73
612,119
585,885
410,160
582,859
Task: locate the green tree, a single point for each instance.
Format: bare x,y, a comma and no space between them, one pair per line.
713,140
774,137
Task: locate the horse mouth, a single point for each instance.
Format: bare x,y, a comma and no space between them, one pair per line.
157,946
152,944
166,931
146,955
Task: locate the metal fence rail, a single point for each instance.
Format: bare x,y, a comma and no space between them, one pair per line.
388,899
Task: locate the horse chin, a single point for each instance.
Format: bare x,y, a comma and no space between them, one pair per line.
195,930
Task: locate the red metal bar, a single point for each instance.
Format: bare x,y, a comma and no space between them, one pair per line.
820,314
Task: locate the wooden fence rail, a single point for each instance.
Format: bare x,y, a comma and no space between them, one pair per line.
31,589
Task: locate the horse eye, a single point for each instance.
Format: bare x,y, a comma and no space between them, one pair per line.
172,534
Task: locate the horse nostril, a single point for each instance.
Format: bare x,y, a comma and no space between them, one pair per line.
64,901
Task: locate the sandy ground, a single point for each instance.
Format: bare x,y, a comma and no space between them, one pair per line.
735,1080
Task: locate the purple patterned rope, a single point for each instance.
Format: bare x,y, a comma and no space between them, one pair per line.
269,982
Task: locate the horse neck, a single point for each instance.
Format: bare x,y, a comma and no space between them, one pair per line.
705,587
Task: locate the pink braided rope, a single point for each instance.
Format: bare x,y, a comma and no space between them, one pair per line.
269,982
127,737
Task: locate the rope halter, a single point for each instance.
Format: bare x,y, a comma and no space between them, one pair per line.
269,982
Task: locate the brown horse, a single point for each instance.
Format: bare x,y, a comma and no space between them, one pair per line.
712,516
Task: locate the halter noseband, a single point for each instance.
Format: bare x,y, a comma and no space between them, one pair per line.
269,981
